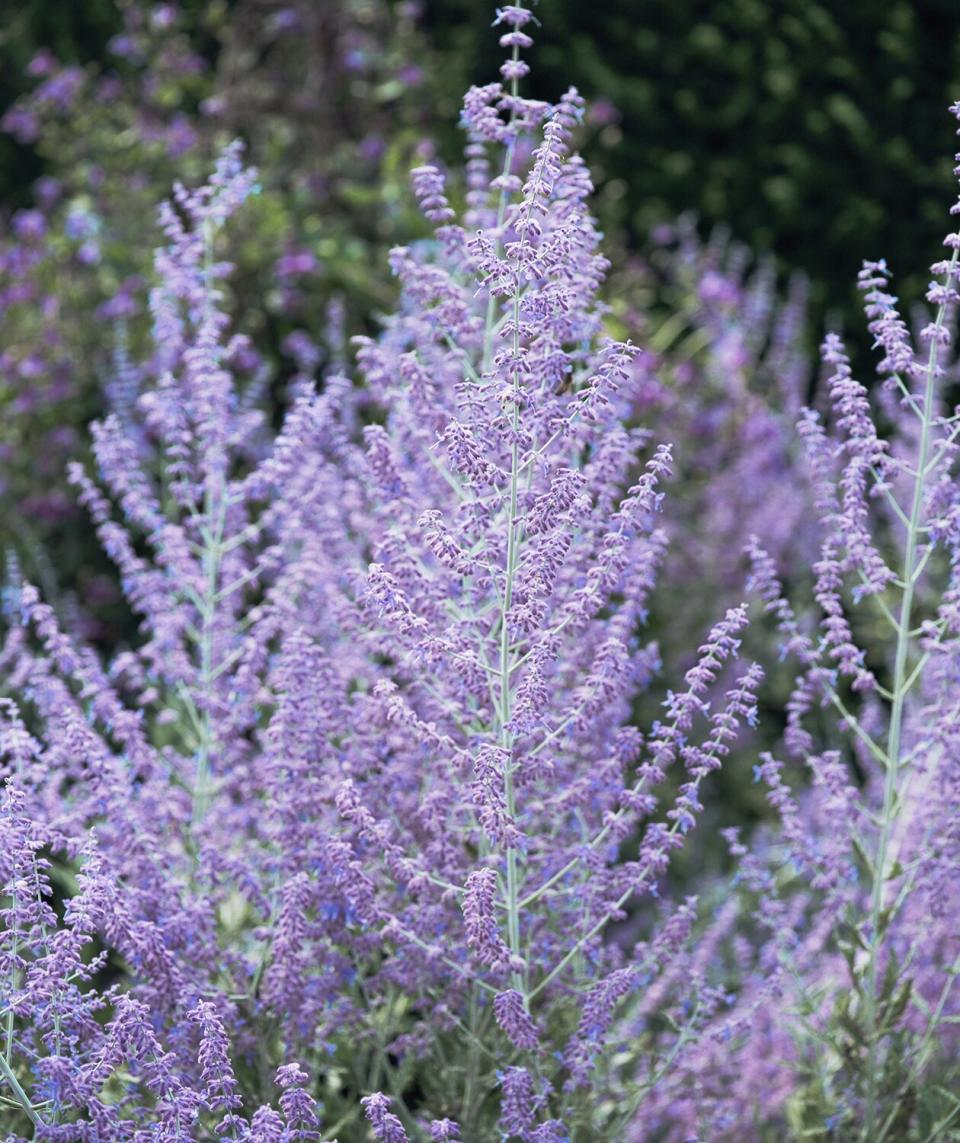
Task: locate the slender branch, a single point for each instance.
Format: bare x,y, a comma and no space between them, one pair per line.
506,651
18,1091
894,503
901,683
854,723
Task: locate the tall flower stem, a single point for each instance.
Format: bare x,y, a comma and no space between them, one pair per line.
490,321
20,1094
215,516
913,563
15,981
506,738
212,534
506,665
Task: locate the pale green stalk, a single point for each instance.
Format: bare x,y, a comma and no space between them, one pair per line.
6,1060
506,738
214,508
505,664
902,682
18,1091
490,322
15,983
214,523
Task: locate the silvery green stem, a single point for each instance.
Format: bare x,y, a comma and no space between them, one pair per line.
18,1091
506,666
215,513
214,522
902,683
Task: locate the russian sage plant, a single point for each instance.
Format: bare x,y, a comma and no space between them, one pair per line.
842,1020
365,800
361,839
728,370
329,106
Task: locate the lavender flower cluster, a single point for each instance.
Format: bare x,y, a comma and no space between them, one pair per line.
363,838
327,103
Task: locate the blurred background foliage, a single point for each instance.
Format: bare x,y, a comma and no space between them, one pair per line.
105,106
816,129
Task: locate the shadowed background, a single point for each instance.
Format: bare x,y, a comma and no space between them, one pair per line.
815,130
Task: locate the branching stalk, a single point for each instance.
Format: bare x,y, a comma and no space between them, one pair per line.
902,681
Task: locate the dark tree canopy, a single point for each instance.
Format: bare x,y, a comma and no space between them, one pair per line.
816,129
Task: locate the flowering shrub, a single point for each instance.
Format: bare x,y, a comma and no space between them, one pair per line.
312,93
842,1020
361,839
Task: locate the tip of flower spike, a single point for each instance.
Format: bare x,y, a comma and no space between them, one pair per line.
516,15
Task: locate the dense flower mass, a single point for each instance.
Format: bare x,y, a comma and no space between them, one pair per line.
392,820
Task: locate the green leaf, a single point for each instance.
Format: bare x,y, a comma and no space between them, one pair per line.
899,1003
862,860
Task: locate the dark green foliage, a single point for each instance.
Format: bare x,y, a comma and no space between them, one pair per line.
75,33
816,128
333,138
